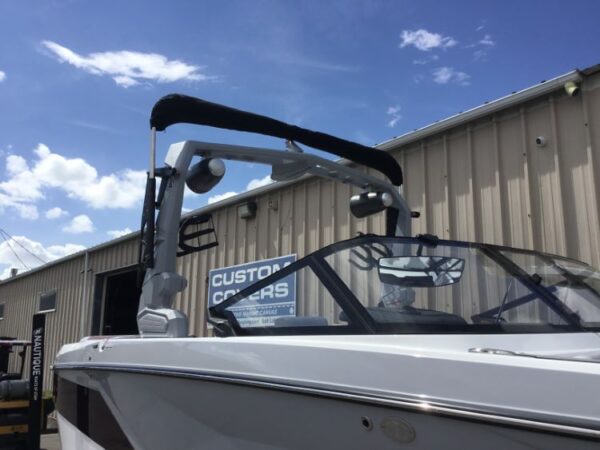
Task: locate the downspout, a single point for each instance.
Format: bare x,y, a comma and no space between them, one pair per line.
83,313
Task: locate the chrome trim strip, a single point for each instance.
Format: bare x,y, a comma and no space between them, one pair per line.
502,352
418,406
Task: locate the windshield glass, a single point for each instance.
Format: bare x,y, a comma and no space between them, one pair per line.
575,284
409,285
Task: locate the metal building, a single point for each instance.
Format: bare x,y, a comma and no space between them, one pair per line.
521,171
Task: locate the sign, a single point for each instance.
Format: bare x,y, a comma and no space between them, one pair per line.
36,380
264,306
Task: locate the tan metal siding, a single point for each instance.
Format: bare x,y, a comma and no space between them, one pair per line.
21,298
488,181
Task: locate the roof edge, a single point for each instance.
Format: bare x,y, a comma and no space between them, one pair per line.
521,96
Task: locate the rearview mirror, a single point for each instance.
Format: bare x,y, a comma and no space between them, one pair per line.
420,271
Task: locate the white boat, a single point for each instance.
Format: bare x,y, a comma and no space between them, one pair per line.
393,347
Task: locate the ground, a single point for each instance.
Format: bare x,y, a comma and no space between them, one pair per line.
51,441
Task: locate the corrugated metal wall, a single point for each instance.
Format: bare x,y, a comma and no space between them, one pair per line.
483,181
21,298
489,182
21,302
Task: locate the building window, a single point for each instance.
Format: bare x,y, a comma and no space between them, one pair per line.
47,302
1,311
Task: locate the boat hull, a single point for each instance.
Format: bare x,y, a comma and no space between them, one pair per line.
158,411
348,392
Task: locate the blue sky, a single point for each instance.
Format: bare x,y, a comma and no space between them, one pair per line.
78,80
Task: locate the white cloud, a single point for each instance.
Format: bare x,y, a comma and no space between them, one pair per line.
118,233
479,55
445,75
19,190
55,213
79,224
297,60
423,61
2,76
487,40
482,46
394,113
121,190
90,125
480,27
259,182
219,197
27,182
47,254
128,68
29,212
425,40
20,185
25,211
125,81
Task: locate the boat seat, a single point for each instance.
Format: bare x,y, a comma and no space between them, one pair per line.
410,315
302,321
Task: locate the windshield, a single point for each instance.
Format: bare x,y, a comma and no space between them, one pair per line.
410,285
575,284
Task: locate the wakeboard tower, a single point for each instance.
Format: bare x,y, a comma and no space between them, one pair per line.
164,238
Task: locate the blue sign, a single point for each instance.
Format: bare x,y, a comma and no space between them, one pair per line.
263,307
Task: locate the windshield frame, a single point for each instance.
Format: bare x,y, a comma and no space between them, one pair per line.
361,322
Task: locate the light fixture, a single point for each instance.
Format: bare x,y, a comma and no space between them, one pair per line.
540,141
571,88
247,210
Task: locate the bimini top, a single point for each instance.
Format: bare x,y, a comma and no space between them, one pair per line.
177,108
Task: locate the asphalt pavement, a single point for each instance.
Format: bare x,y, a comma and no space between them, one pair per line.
50,441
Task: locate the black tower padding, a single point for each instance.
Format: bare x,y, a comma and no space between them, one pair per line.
177,108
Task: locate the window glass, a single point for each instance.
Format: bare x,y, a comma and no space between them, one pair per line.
576,285
411,286
1,310
48,301
483,293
